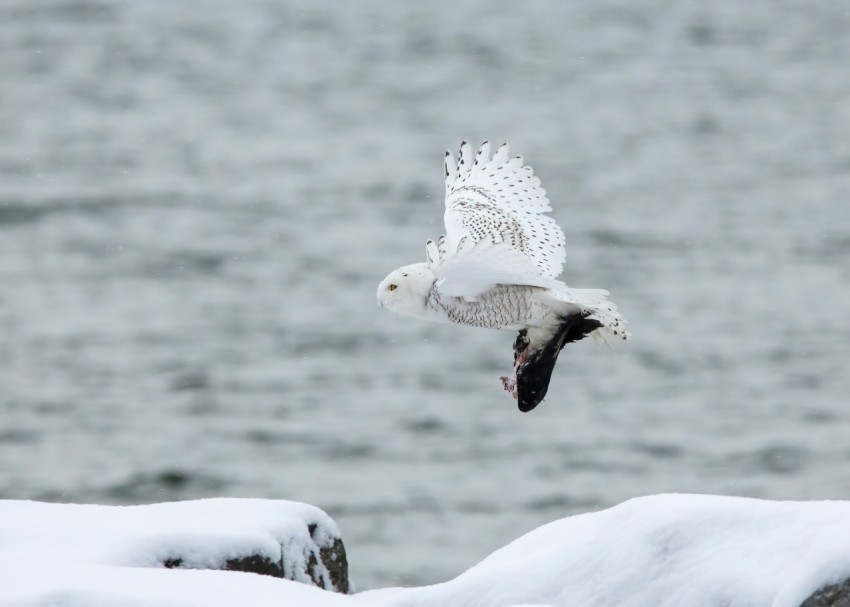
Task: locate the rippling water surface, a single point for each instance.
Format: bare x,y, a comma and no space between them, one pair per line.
197,200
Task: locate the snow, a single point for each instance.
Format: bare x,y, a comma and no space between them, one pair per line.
51,539
203,533
108,586
664,551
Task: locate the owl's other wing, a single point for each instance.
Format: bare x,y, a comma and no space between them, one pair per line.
473,268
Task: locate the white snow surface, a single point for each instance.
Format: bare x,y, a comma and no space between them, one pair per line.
658,551
108,586
203,533
74,550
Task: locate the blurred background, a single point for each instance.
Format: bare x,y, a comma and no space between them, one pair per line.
198,199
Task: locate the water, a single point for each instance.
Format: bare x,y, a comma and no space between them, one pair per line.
198,199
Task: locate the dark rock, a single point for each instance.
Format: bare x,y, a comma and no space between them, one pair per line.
835,595
334,559
326,563
255,564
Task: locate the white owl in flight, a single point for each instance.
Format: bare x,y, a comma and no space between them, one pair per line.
497,267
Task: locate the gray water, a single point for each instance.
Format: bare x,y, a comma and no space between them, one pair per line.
198,199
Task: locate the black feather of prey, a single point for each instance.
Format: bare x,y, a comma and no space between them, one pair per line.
533,376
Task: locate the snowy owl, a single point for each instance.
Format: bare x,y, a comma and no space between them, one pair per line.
497,267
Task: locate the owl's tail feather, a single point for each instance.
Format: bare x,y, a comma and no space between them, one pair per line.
594,302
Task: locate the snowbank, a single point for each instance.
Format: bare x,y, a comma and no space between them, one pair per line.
285,539
660,551
108,586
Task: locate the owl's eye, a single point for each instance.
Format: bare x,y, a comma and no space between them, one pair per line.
392,287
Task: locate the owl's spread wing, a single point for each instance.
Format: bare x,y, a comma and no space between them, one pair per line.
496,230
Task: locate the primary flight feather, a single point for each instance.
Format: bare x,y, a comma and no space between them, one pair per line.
497,267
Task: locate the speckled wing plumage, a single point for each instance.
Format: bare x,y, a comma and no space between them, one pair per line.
496,230
499,199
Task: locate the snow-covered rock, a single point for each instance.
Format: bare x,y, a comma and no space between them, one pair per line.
659,551
278,538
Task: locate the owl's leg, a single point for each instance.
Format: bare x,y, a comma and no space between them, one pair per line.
521,344
523,351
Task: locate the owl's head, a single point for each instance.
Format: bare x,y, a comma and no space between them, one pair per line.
405,290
